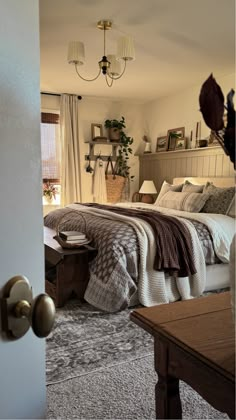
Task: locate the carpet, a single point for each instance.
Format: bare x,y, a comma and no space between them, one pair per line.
101,366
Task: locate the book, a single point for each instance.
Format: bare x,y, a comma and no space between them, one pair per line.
72,234
77,241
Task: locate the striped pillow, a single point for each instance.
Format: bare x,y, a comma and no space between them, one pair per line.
185,201
165,188
189,187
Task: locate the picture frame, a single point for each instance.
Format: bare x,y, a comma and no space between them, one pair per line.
96,131
179,132
162,143
180,144
212,141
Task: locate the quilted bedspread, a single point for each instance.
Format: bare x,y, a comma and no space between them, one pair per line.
123,268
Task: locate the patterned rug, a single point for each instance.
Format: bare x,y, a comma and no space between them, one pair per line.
85,339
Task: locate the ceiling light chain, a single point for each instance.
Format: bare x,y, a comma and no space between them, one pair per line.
109,64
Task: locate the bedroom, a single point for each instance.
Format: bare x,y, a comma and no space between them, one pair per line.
168,114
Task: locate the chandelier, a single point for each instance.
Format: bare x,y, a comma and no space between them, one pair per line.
109,65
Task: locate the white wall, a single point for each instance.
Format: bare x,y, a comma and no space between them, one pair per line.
94,110
179,110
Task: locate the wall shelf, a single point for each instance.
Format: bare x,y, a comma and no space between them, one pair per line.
92,156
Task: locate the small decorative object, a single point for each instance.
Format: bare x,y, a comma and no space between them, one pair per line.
162,143
213,139
180,144
203,143
147,145
96,132
146,191
49,191
173,134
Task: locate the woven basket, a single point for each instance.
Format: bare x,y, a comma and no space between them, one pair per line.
60,222
115,185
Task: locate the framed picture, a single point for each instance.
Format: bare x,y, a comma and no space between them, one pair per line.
180,144
96,131
213,140
173,134
162,143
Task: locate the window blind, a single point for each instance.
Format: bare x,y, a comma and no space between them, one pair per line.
50,147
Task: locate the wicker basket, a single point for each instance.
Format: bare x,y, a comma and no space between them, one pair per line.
65,244
115,185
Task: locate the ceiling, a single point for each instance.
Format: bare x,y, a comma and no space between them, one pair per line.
178,43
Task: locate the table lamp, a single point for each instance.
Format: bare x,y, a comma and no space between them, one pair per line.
147,190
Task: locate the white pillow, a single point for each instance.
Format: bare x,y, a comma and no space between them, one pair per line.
165,188
185,201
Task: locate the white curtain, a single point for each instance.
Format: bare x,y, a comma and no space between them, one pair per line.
70,165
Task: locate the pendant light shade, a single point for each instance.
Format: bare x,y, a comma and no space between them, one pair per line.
115,68
76,53
125,48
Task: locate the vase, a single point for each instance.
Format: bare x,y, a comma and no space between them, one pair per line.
47,199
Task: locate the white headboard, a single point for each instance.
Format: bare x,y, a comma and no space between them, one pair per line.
218,182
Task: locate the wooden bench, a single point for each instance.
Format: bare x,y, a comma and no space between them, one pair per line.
66,270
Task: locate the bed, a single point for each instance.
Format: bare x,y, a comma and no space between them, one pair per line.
123,272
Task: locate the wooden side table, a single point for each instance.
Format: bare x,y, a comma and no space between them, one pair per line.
194,342
66,270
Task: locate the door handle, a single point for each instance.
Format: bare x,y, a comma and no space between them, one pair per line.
19,310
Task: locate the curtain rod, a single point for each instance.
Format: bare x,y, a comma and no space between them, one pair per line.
56,94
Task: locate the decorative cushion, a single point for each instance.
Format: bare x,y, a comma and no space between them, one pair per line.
189,187
186,201
220,199
165,188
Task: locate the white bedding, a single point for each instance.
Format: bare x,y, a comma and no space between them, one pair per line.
155,287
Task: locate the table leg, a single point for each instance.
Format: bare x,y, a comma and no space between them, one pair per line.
168,404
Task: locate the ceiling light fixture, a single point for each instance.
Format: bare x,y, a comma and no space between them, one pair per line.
109,65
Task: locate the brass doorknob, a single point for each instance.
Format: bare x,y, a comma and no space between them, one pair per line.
20,310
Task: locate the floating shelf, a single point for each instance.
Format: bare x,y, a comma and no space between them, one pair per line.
94,156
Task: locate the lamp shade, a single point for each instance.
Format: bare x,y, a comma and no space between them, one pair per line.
114,68
148,187
76,54
125,49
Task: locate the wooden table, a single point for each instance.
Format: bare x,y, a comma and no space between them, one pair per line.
66,270
194,341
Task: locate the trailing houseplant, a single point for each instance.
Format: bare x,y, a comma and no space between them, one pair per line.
122,167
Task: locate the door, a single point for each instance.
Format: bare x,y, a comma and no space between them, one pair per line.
22,369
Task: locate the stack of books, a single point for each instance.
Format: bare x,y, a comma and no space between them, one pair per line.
73,237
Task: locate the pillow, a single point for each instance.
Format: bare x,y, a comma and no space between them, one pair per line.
220,199
165,188
189,187
186,201
231,210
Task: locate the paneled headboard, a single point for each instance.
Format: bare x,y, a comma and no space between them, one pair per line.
205,162
218,182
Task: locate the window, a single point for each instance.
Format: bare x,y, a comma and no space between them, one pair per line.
50,150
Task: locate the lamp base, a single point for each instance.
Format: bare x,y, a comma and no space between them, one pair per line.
147,198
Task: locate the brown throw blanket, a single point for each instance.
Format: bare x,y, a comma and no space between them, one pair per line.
173,241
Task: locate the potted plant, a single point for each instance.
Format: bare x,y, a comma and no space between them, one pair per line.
122,167
114,128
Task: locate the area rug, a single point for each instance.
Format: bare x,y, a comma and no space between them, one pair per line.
85,339
101,366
